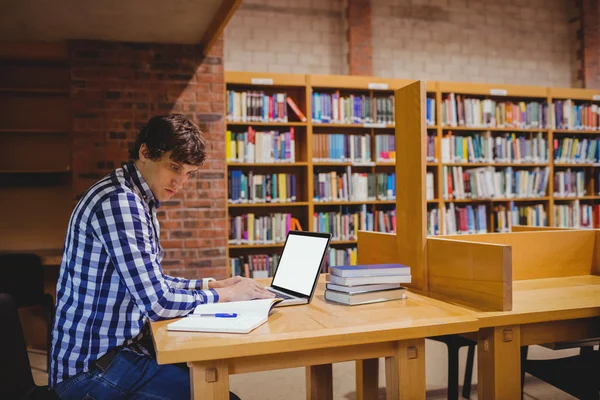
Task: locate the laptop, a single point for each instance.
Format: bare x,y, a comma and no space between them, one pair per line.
297,274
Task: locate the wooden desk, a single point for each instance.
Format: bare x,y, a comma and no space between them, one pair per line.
315,336
544,311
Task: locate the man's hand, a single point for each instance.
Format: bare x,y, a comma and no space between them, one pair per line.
238,289
225,282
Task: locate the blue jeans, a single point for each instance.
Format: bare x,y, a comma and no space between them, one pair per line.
130,376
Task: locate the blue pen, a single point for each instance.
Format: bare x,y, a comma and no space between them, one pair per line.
218,315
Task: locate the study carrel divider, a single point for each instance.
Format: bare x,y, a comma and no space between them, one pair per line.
474,270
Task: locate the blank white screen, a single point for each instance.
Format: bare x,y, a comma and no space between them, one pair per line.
299,263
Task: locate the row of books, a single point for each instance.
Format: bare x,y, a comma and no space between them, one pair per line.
465,220
338,147
569,183
568,115
257,188
364,284
266,229
482,147
488,182
347,256
506,217
576,150
344,225
458,110
254,265
260,147
335,108
577,215
330,186
258,106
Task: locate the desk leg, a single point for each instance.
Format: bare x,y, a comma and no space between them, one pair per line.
367,379
209,380
499,363
319,382
405,371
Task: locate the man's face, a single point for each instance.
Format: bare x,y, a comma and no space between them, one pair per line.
165,176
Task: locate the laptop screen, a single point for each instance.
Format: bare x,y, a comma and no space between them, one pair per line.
300,263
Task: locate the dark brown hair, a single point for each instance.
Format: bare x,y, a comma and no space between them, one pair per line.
164,133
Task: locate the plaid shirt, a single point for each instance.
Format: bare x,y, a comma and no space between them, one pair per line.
111,283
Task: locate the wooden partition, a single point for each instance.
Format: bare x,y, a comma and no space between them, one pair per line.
473,274
544,254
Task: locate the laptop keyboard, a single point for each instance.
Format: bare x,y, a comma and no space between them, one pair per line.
280,295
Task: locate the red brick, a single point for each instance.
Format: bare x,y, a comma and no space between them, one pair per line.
116,87
359,38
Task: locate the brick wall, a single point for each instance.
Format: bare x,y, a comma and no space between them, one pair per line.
287,36
590,34
519,41
115,89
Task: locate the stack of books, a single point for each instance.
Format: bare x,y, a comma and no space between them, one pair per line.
363,284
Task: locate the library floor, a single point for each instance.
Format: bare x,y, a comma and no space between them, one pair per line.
289,384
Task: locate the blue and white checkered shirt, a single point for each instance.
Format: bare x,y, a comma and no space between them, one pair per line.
111,283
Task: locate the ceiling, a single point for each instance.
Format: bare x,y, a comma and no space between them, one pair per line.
154,21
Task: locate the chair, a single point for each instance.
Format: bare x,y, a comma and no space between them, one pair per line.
16,380
454,343
22,276
577,375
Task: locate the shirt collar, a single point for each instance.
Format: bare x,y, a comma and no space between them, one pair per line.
140,183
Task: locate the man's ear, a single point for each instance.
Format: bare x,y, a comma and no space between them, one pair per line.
144,153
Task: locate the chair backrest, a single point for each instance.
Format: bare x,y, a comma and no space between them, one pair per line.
16,379
22,276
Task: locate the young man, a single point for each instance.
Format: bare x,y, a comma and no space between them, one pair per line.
111,284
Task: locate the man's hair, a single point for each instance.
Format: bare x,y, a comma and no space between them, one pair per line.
174,132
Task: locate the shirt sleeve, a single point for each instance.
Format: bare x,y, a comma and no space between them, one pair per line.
182,283
123,225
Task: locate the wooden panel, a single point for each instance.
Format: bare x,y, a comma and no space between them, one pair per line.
575,94
484,89
550,254
411,203
362,82
525,228
243,365
499,363
367,379
24,112
220,20
245,78
405,371
473,274
34,217
377,248
35,77
209,380
34,51
319,382
559,331
35,152
596,256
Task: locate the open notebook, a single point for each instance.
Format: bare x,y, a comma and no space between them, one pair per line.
250,315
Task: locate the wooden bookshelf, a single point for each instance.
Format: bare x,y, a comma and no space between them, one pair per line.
35,155
302,87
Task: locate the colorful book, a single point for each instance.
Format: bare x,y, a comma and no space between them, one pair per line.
347,271
368,280
362,288
365,298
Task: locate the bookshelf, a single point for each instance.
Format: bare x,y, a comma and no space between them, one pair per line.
35,156
353,124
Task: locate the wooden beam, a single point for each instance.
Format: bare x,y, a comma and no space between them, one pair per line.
411,203
219,22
